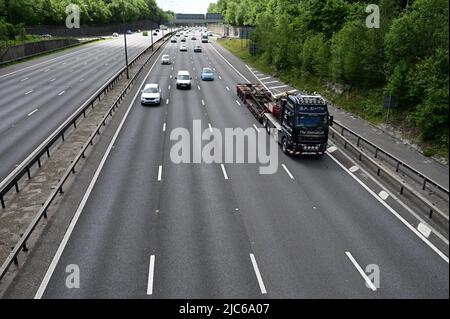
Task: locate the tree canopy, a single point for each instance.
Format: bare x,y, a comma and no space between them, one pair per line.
407,55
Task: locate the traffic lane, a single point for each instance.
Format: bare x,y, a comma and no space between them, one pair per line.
115,233
409,267
296,261
302,168
203,251
111,57
34,67
43,116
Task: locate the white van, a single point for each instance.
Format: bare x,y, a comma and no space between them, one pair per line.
183,80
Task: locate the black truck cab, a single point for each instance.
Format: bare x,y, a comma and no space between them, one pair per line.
304,122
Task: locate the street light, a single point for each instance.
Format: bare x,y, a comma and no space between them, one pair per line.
125,38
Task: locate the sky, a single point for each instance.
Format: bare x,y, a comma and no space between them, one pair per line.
185,6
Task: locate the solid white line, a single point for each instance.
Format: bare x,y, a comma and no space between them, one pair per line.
414,230
210,127
23,80
361,271
164,127
258,275
224,171
287,171
31,113
151,270
237,102
256,128
230,65
61,93
29,92
159,173
83,202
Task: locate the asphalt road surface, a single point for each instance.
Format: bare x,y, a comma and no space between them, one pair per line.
150,228
38,96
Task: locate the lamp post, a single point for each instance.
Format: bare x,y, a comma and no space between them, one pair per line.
125,38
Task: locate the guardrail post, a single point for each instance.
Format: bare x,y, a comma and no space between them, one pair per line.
431,213
424,183
376,152
62,136
16,184
357,143
16,262
378,171
28,172
39,161
397,167
24,247
401,190
2,201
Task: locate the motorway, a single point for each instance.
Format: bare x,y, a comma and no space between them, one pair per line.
38,96
150,228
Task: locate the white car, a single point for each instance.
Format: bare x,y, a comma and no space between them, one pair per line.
183,80
183,48
115,35
166,59
151,94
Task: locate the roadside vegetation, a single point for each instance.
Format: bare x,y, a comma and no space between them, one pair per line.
320,44
15,15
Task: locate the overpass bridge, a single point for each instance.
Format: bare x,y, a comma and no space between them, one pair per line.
197,19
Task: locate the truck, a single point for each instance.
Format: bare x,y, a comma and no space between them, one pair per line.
298,122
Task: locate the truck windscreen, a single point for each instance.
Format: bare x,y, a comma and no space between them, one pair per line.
311,120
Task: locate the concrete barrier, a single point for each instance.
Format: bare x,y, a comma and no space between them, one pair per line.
18,52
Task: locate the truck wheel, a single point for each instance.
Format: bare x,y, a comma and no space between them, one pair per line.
284,146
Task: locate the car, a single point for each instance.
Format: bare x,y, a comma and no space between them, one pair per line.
151,94
155,33
157,30
207,74
183,39
193,37
197,48
210,34
166,59
115,35
129,32
183,48
183,79
178,35
173,40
